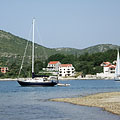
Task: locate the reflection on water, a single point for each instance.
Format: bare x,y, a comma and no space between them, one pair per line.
32,103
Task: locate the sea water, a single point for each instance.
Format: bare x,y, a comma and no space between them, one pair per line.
32,103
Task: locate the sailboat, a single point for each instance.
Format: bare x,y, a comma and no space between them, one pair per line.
36,80
117,70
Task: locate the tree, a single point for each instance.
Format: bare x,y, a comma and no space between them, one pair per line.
38,66
56,57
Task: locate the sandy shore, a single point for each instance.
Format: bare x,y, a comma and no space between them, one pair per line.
108,101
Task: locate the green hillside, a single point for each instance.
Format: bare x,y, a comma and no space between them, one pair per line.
11,45
85,60
90,50
99,48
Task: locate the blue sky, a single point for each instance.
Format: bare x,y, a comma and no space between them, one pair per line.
64,23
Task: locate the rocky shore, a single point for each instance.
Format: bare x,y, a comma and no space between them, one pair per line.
108,101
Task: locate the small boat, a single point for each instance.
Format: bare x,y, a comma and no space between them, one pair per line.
117,70
60,84
35,80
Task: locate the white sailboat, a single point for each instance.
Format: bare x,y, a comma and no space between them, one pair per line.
35,80
117,70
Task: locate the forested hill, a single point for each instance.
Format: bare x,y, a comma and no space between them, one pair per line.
90,50
86,60
11,45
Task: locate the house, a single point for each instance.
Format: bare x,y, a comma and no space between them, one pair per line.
3,69
108,70
53,66
66,70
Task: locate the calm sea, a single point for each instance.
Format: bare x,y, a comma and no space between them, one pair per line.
32,103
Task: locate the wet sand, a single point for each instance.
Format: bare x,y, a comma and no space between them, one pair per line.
108,101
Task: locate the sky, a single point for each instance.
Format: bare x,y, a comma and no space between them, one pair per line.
63,23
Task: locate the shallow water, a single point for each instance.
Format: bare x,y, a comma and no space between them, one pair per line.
32,103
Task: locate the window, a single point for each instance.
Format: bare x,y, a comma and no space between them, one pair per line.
112,68
112,72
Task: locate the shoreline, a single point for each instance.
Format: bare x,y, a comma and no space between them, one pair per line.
62,79
107,101
8,79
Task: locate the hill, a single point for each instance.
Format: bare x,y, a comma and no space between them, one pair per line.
90,50
12,49
99,48
11,45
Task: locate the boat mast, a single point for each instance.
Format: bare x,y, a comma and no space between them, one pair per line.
118,63
33,40
117,72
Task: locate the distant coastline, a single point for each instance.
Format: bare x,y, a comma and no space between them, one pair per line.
8,79
61,78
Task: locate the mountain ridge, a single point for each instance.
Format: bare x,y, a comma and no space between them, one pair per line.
15,45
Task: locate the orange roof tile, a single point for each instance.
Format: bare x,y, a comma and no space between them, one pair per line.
111,66
66,65
53,62
106,63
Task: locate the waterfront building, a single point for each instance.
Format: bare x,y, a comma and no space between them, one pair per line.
66,70
53,66
108,71
4,69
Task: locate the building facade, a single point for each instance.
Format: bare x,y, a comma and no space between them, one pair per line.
66,70
4,69
53,66
108,71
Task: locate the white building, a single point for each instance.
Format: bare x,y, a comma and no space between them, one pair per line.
53,66
66,70
108,71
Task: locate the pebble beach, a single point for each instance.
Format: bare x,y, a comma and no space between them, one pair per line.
107,101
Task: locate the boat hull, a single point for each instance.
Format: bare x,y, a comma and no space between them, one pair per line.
117,79
44,84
